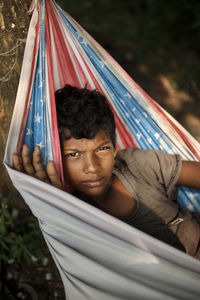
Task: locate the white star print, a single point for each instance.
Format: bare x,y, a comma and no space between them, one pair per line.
37,118
128,95
157,135
137,121
162,142
190,206
40,145
42,101
29,131
82,40
145,114
192,196
102,63
138,135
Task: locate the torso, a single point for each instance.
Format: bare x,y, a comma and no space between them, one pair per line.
156,211
120,202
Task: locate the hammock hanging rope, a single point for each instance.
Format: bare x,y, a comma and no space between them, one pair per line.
98,256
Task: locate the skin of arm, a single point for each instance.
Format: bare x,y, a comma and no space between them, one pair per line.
190,174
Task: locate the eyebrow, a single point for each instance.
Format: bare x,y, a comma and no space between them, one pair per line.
105,142
71,149
78,150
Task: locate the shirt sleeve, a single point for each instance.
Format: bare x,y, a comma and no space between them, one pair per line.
156,168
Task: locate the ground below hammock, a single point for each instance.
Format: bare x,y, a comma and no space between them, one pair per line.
163,58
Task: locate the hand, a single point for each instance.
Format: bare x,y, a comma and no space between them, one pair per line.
35,168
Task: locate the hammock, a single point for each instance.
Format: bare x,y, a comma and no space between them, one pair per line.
98,256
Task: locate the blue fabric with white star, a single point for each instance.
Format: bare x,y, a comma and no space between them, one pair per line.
131,107
37,131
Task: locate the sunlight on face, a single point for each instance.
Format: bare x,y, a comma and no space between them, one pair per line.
88,163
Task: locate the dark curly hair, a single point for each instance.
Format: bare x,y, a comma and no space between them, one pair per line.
84,113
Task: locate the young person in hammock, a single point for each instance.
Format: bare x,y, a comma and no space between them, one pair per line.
137,186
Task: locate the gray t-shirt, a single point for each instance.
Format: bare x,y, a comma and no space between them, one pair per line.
151,176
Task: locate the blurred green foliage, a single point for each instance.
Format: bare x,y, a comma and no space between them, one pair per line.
19,240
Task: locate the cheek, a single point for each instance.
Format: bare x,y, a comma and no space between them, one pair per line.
107,164
71,170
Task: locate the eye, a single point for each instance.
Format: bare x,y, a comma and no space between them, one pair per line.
73,154
104,148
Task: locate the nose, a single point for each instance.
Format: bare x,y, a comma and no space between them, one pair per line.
91,164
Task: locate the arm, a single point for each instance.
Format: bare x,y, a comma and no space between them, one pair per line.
35,168
190,174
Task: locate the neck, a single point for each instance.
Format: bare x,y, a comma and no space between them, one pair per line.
116,200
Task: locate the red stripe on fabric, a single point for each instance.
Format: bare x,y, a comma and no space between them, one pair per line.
31,80
68,53
31,8
124,134
95,82
54,128
149,99
69,75
60,43
65,64
131,81
166,118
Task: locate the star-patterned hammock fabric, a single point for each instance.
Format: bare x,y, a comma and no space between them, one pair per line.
98,256
67,54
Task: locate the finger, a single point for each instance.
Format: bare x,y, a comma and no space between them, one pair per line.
17,163
26,160
53,175
37,164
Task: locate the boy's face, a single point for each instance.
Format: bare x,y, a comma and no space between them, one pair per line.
88,164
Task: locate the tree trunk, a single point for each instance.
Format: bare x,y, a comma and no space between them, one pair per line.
14,21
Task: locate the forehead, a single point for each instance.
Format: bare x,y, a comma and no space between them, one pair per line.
69,142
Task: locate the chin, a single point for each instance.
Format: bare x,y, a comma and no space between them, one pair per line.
99,195
96,191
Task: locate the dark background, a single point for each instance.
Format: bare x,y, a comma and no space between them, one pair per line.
157,43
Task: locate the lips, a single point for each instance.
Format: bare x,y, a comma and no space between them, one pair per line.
93,182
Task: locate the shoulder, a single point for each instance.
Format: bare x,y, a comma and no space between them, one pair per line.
152,165
133,154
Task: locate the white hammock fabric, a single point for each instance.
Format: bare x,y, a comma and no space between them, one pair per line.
98,256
